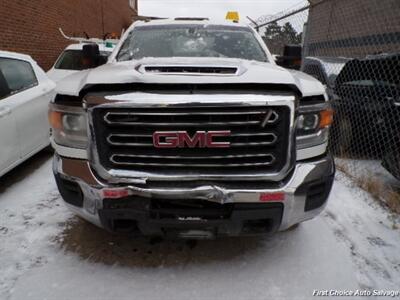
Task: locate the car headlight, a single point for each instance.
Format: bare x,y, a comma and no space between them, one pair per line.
313,125
308,122
69,126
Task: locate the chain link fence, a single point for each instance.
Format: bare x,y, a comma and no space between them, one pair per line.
284,28
353,48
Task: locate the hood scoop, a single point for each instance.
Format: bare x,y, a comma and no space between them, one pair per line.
189,70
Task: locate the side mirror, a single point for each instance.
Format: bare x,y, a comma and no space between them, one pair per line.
291,58
91,50
91,55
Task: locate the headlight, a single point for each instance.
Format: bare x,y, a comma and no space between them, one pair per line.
308,122
69,126
312,121
313,125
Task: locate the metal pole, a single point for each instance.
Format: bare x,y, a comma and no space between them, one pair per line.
102,16
252,21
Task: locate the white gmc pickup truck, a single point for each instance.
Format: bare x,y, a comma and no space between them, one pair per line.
191,130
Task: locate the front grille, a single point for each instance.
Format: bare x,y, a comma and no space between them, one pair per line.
259,139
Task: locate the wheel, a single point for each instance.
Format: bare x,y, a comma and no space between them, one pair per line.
341,137
49,149
293,227
391,162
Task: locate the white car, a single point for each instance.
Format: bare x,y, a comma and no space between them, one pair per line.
72,60
25,93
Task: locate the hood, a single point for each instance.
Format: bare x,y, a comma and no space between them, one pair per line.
190,71
57,74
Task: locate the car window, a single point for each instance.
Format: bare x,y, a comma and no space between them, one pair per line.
192,41
16,75
4,89
75,60
380,71
371,83
315,71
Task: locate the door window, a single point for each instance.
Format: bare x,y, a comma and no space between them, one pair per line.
15,76
4,89
75,60
315,71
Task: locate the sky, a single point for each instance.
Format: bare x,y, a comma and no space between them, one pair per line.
215,9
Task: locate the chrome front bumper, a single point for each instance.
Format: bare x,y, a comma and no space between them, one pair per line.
296,189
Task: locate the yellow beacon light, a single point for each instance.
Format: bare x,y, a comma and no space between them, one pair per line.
233,16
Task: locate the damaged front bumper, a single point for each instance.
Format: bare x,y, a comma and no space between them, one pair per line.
197,211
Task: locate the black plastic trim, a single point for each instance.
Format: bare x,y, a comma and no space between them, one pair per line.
160,217
70,191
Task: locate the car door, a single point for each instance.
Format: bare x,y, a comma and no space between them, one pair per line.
31,100
9,142
36,129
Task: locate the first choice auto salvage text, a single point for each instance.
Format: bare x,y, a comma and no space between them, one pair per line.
355,293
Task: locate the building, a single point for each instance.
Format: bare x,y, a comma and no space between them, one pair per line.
352,28
31,27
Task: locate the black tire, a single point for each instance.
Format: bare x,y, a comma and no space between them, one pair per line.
391,162
49,149
341,138
293,227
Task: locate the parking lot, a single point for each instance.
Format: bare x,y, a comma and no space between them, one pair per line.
246,155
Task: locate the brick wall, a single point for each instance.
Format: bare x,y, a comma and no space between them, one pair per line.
353,28
31,27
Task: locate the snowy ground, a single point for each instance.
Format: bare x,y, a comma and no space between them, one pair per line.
45,253
371,168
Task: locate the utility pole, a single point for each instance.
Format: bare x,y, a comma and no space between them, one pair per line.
102,17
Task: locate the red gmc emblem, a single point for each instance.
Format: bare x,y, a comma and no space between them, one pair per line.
181,139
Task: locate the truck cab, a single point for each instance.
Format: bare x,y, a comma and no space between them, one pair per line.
72,60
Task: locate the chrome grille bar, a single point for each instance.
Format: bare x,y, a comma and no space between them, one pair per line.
269,117
194,157
231,145
182,113
186,124
273,139
242,134
205,165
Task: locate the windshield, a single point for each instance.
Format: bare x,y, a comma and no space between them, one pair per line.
371,83
192,41
381,71
75,60
332,70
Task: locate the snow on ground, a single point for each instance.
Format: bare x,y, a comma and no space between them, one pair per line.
31,215
46,254
370,232
369,168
